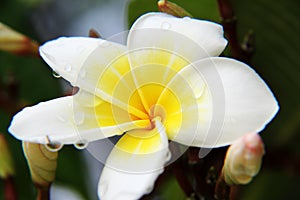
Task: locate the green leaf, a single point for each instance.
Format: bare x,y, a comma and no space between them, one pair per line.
272,184
171,190
276,59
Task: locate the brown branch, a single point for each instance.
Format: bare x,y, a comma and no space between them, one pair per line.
182,179
222,190
205,171
229,22
43,193
10,192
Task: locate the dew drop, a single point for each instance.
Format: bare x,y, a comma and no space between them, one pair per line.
168,156
60,118
51,58
81,144
55,74
186,18
81,49
79,118
54,146
149,189
103,187
165,25
82,73
104,44
68,67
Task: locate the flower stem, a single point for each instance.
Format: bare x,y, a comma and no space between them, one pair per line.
9,189
229,22
222,190
182,179
43,193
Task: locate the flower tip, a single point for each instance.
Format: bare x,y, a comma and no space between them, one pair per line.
161,3
172,9
254,143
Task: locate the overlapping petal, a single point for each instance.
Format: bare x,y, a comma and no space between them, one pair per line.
66,55
185,37
234,101
134,164
94,65
66,121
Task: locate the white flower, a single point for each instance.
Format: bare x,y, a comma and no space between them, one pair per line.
166,84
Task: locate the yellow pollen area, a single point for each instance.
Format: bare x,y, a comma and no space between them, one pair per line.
143,97
160,103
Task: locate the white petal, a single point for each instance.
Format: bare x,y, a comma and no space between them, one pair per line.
189,38
66,121
134,164
240,100
66,55
94,65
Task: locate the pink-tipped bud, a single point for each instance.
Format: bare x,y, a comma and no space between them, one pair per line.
16,43
6,162
172,9
243,159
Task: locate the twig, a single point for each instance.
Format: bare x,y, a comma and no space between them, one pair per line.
229,22
182,179
10,192
222,190
43,193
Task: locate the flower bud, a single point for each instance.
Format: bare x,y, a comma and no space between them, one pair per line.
42,163
172,9
16,43
243,159
6,162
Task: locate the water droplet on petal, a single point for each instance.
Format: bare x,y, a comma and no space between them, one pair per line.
104,43
51,58
81,49
168,156
82,73
165,25
149,189
186,18
60,118
79,118
54,146
103,186
55,74
68,67
81,144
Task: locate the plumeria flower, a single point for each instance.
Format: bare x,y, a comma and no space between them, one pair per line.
166,85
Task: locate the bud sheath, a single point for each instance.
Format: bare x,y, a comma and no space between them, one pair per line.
16,43
6,162
42,163
243,159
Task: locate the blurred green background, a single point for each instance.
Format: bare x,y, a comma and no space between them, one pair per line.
276,59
